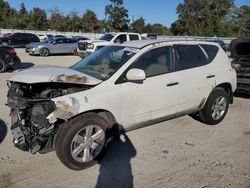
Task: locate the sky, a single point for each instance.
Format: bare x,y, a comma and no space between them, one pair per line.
153,11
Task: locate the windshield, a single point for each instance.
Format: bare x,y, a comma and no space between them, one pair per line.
107,37
105,62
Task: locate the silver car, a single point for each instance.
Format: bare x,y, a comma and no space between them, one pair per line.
59,45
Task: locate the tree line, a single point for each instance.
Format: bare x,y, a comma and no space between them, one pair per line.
195,17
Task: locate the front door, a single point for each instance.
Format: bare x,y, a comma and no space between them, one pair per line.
154,98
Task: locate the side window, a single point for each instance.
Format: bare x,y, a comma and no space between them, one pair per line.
189,56
59,41
155,62
210,50
121,39
133,37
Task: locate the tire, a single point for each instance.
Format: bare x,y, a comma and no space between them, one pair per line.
215,108
17,63
3,66
75,52
44,52
71,138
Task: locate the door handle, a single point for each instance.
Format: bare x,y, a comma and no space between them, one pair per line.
172,84
211,76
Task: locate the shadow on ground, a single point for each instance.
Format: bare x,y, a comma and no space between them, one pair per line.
26,65
3,130
242,95
115,168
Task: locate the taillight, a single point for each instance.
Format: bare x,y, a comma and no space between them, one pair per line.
235,66
11,52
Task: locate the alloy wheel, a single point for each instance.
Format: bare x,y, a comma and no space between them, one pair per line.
87,143
219,107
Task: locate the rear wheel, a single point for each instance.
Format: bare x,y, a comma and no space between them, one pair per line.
44,52
215,108
75,52
3,66
81,142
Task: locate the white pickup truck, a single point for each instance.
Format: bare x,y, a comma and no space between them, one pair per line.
86,47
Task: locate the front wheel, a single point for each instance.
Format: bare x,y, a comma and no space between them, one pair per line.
215,108
81,142
44,52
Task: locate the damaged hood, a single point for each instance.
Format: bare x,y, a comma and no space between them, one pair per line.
48,73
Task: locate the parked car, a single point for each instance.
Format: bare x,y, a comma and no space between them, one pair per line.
60,36
240,52
8,59
78,38
221,43
42,37
149,35
18,39
87,47
56,45
122,87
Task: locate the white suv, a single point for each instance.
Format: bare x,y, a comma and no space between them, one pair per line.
120,87
87,47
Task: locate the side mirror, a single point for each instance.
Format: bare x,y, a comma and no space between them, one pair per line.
135,75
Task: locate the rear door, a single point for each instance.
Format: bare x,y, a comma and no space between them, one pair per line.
195,74
58,46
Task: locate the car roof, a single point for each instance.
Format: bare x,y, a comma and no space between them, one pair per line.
143,43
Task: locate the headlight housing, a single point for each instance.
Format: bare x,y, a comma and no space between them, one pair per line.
90,46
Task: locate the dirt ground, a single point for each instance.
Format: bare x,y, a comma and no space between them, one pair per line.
177,153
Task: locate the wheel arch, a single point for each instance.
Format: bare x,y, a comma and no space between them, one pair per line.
107,115
228,88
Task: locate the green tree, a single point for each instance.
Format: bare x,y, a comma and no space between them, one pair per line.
5,14
38,19
56,20
201,17
138,25
90,21
117,16
73,22
157,28
24,17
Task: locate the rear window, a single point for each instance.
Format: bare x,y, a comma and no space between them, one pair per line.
133,37
189,56
210,50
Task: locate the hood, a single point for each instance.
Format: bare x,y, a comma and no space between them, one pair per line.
48,73
92,41
240,48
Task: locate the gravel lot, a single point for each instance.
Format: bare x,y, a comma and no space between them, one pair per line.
177,153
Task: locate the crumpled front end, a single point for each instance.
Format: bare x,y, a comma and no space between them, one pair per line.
35,118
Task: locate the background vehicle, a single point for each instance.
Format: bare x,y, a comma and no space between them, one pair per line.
90,46
56,45
78,38
42,37
8,59
75,110
240,52
18,39
149,35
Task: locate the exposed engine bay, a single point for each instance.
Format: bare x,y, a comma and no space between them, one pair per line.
30,105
